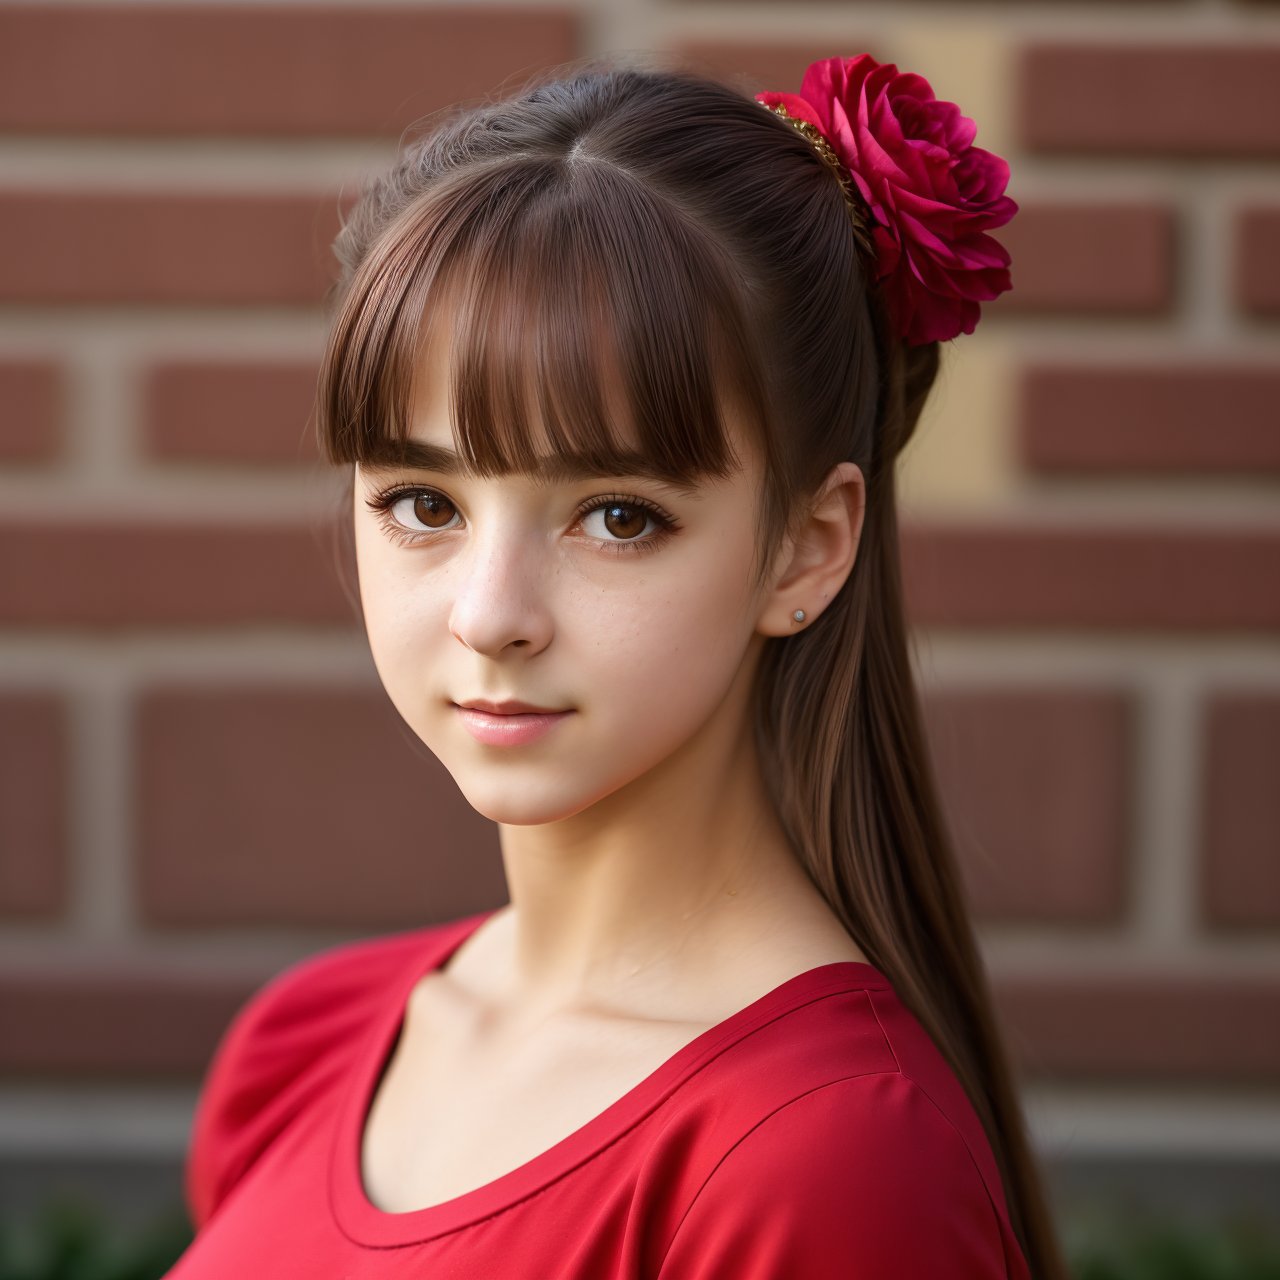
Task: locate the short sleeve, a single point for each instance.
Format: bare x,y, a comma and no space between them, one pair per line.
860,1179
283,1051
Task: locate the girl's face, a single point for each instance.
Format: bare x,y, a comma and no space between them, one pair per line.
619,600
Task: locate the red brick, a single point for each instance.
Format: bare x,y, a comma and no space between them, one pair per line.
113,1019
1241,810
162,247
1114,258
291,70
116,1020
33,805
279,806
1194,416
1020,575
1257,260
756,65
1092,577
1143,1028
31,424
231,412
1036,786
134,574
59,247
959,4
1188,99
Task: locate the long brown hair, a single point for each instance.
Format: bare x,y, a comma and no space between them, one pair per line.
650,229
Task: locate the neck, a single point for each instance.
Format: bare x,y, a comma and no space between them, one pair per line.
673,875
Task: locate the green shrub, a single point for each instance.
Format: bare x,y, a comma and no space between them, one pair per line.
71,1240
1139,1245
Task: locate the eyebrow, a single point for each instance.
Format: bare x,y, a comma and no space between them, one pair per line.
553,468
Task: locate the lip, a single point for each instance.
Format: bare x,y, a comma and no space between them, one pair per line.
509,707
507,728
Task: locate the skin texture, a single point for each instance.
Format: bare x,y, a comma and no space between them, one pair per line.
647,873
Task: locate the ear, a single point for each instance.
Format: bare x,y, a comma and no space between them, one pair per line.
814,564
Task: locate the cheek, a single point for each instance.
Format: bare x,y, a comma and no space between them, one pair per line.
648,652
393,604
628,638
676,638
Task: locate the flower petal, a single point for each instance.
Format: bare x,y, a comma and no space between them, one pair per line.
931,194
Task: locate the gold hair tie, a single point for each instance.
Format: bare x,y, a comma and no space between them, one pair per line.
852,197
921,194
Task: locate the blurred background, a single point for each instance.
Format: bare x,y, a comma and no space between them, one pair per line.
201,779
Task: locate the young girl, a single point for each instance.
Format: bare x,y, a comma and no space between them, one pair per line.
621,369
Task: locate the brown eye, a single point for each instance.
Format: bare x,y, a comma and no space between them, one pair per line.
432,509
625,522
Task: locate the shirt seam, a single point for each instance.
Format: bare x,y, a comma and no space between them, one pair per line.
964,1141
782,1106
827,1085
888,1042
995,1212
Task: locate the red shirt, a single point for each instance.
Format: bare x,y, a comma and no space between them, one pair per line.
816,1134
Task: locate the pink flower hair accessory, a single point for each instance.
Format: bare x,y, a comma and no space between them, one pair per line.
915,181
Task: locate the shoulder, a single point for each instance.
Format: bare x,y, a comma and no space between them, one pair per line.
843,1145
861,1177
285,1048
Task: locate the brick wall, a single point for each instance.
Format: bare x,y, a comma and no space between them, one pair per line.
200,778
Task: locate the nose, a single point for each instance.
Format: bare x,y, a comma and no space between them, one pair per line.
499,602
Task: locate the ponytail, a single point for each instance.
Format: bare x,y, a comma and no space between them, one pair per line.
717,274
840,731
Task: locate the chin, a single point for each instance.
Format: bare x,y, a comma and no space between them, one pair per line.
532,801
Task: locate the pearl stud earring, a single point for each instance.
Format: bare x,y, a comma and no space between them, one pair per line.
798,615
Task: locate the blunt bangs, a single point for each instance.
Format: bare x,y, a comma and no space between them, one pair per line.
584,318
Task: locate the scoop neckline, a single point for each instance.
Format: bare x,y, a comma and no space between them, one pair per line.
364,1223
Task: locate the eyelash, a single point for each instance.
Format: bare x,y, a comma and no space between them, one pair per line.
380,504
